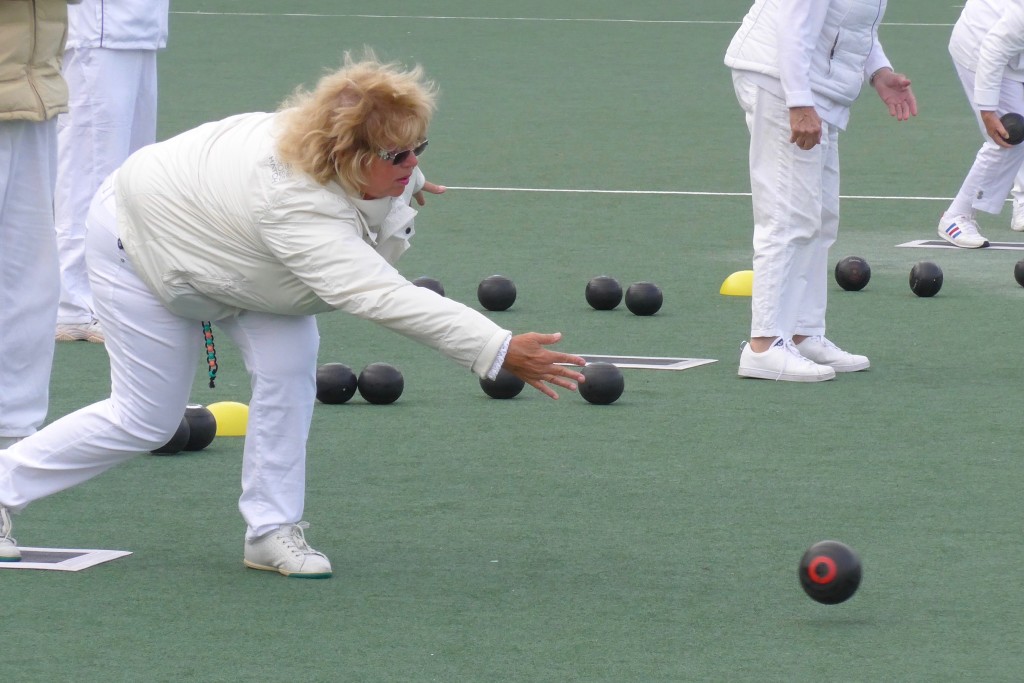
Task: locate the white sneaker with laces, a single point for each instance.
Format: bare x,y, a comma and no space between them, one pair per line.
8,546
1017,220
286,551
782,362
90,332
823,352
961,231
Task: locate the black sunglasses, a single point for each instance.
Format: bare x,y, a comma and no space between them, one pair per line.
398,157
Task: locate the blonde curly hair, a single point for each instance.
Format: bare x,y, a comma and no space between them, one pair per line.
335,131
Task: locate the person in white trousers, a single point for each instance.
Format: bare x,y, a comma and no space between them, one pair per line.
987,46
111,69
32,94
258,222
798,66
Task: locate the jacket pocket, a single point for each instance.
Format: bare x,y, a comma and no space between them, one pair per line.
832,52
201,297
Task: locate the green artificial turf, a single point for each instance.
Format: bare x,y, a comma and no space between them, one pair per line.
655,539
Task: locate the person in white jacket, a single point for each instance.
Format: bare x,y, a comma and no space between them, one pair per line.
987,47
258,222
111,69
797,67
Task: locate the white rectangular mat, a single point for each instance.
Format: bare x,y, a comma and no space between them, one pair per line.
943,244
647,362
62,559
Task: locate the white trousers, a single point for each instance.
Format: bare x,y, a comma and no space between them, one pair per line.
112,112
796,217
153,360
28,273
995,168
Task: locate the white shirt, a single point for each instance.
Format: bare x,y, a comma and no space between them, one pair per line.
811,53
988,39
118,24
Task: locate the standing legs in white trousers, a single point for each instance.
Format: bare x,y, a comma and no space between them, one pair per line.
991,176
112,113
796,218
153,357
795,196
28,274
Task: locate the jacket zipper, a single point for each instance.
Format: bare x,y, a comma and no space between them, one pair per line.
832,52
32,60
878,17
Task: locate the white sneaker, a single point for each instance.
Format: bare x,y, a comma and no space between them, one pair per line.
961,231
782,362
91,332
823,352
1017,220
8,546
286,551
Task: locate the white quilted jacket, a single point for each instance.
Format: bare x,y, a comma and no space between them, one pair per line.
819,51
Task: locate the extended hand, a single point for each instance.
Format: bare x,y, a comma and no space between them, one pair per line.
528,360
894,89
431,188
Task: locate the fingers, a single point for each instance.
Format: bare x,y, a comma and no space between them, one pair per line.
892,80
544,389
805,127
994,127
566,358
529,359
565,383
806,138
552,373
543,339
541,385
900,110
902,107
805,142
431,188
913,105
898,97
999,136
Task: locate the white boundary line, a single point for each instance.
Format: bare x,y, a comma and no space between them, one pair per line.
681,193
645,362
311,15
